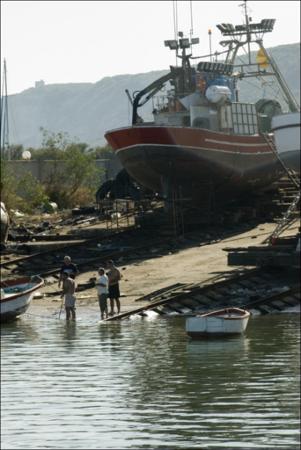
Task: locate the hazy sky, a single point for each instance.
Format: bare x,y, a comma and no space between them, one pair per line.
84,41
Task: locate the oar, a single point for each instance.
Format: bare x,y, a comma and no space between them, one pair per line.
61,308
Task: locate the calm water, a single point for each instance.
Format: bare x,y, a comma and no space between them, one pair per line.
143,384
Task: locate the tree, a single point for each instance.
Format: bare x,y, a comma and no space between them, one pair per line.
25,194
105,152
74,177
8,186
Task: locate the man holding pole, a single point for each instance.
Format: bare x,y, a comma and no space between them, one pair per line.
69,294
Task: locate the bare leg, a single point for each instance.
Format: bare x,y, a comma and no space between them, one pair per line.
112,305
106,308
118,305
99,302
67,313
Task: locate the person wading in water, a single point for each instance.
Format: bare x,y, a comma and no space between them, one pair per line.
69,293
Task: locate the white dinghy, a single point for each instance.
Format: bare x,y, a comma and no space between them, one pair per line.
222,322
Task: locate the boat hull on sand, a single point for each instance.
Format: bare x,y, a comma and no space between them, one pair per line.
16,296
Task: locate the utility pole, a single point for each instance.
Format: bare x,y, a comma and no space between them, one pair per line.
5,149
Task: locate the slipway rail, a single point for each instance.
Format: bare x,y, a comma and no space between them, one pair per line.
260,291
89,252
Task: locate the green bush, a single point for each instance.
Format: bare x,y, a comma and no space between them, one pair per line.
72,181
8,187
25,194
31,192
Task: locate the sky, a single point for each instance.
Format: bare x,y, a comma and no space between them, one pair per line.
85,41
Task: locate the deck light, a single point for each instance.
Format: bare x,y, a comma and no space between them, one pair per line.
184,43
227,29
172,44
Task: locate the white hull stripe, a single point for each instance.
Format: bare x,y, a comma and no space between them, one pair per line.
193,148
240,144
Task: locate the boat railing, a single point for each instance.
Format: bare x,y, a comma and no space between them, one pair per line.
169,103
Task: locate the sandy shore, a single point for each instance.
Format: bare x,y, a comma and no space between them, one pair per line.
191,265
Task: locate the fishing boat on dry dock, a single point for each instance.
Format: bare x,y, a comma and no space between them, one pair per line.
223,322
203,139
16,296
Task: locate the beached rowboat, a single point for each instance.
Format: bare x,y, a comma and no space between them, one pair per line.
223,322
16,296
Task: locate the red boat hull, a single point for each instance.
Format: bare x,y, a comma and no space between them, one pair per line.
158,156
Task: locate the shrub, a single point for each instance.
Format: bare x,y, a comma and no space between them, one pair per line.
31,192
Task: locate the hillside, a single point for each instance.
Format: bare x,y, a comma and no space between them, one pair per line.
86,110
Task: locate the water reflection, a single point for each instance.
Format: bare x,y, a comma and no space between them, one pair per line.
232,346
69,334
145,384
19,331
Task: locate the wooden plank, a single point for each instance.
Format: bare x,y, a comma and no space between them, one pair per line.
291,300
190,303
184,308
248,283
169,311
202,299
160,292
224,291
176,306
278,304
264,309
157,310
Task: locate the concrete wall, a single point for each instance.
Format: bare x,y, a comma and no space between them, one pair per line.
42,169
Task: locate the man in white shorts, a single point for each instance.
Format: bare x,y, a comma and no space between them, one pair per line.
102,286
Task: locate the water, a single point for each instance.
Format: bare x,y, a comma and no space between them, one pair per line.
144,384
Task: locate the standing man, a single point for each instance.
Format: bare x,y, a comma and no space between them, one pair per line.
69,267
102,285
69,293
114,276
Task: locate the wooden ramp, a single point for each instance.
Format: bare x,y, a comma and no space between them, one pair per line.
261,291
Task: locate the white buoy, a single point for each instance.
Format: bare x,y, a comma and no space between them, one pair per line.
26,155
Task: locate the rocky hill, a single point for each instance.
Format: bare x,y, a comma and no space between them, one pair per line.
86,110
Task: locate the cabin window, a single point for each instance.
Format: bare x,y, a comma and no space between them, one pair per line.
201,122
244,118
186,121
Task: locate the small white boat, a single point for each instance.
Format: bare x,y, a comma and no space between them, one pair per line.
223,322
16,296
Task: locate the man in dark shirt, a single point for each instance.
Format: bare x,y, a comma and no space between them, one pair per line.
114,277
68,267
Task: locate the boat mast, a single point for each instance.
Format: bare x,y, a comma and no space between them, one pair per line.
291,101
247,29
237,33
4,117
